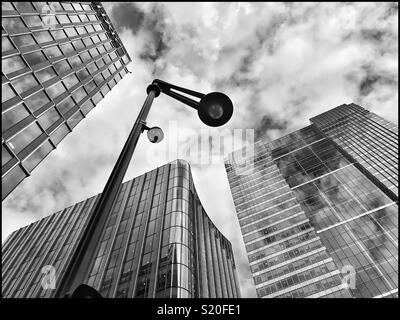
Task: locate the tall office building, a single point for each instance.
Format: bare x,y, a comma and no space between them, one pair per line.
318,207
59,59
157,242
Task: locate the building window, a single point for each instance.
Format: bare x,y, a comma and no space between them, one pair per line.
103,36
25,137
78,44
75,61
100,63
81,30
12,64
13,116
108,46
6,44
58,34
75,119
86,7
35,58
6,6
92,68
43,36
95,39
55,90
87,106
106,73
5,155
97,97
33,21
66,105
24,40
83,17
74,18
37,156
107,59
37,101
112,68
87,41
101,49
89,28
62,66
71,32
70,81
67,6
92,17
24,7
98,78
79,94
7,92
53,52
67,48
94,52
12,179
82,74
46,74
13,25
63,19
85,56
90,86
59,134
39,5
49,118
77,6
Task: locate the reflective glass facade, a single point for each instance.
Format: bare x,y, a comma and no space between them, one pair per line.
315,221
370,140
59,59
157,242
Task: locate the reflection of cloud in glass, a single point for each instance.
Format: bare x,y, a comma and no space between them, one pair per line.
37,101
12,64
35,58
13,25
24,83
55,90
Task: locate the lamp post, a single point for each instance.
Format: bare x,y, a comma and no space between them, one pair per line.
214,109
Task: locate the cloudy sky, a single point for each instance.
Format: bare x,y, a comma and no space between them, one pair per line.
280,63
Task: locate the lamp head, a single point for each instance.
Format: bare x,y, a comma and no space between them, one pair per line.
215,109
155,134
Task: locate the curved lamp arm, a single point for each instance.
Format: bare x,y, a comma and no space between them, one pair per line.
166,87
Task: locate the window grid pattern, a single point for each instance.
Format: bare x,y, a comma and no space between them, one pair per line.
56,67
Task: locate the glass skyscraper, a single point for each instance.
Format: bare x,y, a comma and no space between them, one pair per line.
318,207
157,242
59,59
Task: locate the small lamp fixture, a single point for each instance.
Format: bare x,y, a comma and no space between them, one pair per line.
155,134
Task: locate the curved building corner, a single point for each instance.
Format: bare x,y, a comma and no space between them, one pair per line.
157,242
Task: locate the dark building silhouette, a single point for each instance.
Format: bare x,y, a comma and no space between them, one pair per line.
58,61
157,242
318,207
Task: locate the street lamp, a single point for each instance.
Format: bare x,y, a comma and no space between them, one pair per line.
214,109
85,291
